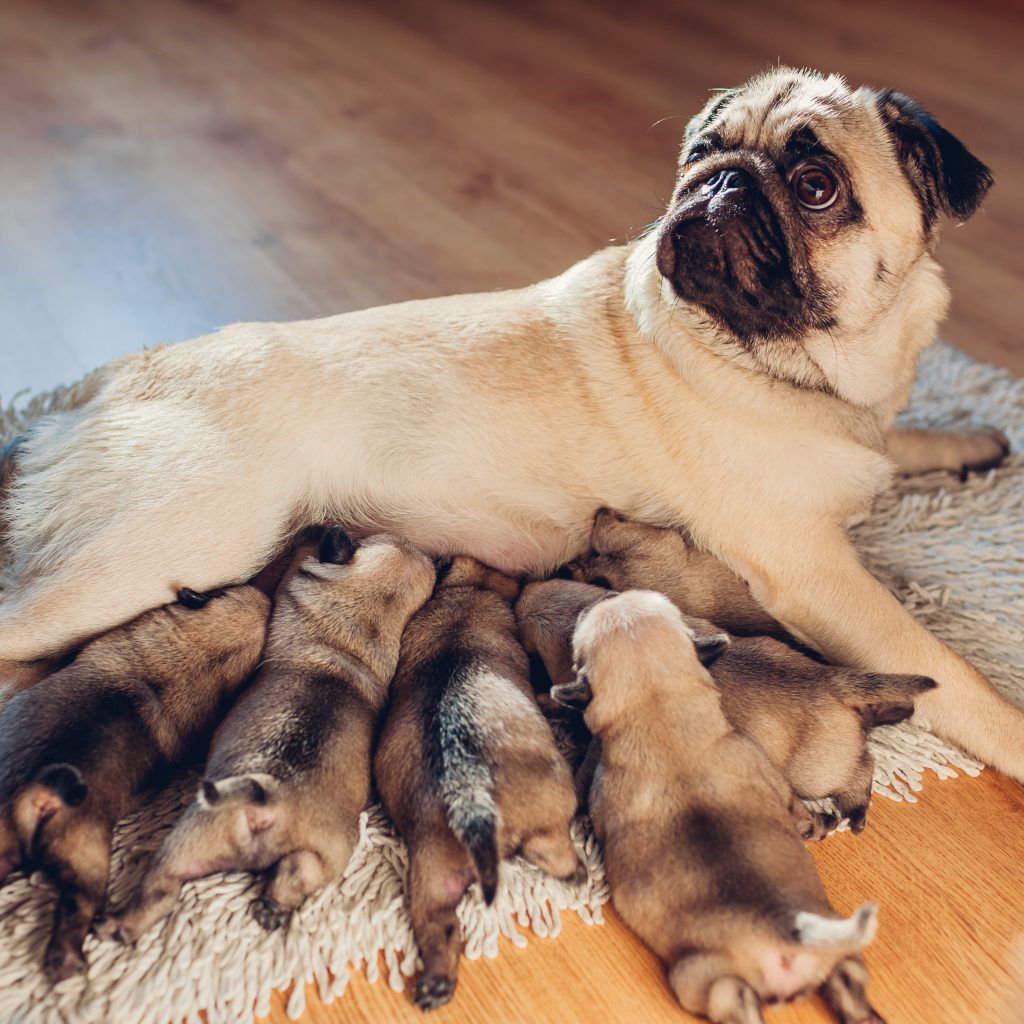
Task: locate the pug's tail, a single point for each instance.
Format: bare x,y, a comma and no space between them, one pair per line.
881,698
852,933
465,782
54,787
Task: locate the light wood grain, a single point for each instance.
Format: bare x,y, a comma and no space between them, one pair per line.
172,165
946,872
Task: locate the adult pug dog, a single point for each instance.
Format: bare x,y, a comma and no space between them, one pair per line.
735,371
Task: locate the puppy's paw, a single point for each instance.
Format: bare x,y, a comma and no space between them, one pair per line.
980,449
577,876
114,927
61,963
825,823
270,914
433,990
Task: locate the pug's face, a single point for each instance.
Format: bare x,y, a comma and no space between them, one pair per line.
802,211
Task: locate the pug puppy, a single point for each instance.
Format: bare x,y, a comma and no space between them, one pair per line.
625,555
735,371
466,766
696,825
83,747
812,720
289,769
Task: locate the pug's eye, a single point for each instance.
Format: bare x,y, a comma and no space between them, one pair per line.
192,598
814,187
699,151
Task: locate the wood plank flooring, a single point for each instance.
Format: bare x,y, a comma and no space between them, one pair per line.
172,165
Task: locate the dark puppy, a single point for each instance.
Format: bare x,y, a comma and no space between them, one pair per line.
79,749
697,828
812,720
626,554
289,770
466,765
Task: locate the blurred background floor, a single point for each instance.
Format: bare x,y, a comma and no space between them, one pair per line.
172,165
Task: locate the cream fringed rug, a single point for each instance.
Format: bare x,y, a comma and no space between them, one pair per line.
952,552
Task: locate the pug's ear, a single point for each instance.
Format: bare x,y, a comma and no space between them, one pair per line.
714,106
576,694
336,546
946,176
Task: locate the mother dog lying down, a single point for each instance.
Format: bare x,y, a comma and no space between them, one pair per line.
735,371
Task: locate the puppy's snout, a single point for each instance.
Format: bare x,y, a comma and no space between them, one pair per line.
729,179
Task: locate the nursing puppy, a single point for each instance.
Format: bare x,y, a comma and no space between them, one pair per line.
80,749
289,769
812,720
626,555
466,765
736,370
697,828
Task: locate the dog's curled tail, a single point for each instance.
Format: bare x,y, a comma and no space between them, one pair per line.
852,933
465,783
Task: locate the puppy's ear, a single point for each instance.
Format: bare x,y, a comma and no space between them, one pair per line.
576,694
945,175
336,546
709,640
710,647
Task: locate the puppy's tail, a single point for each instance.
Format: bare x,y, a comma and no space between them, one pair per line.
255,793
54,787
881,698
466,785
852,933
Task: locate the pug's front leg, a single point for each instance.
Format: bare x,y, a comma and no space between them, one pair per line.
816,586
957,451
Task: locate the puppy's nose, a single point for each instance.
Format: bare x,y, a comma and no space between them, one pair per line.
729,179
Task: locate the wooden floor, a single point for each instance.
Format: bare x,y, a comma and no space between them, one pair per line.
173,165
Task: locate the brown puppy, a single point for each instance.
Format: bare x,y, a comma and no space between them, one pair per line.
289,770
701,855
626,554
466,766
811,719
79,749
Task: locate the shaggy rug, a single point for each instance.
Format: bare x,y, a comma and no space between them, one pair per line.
952,552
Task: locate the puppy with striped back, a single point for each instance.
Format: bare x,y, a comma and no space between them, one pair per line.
466,765
697,828
289,769
82,747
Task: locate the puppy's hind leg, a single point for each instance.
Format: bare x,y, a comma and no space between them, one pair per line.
703,985
79,859
552,850
439,874
845,991
202,842
294,878
854,801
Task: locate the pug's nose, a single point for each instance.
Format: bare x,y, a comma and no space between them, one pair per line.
729,179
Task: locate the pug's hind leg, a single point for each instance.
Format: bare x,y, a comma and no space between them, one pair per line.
845,991
703,985
293,878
